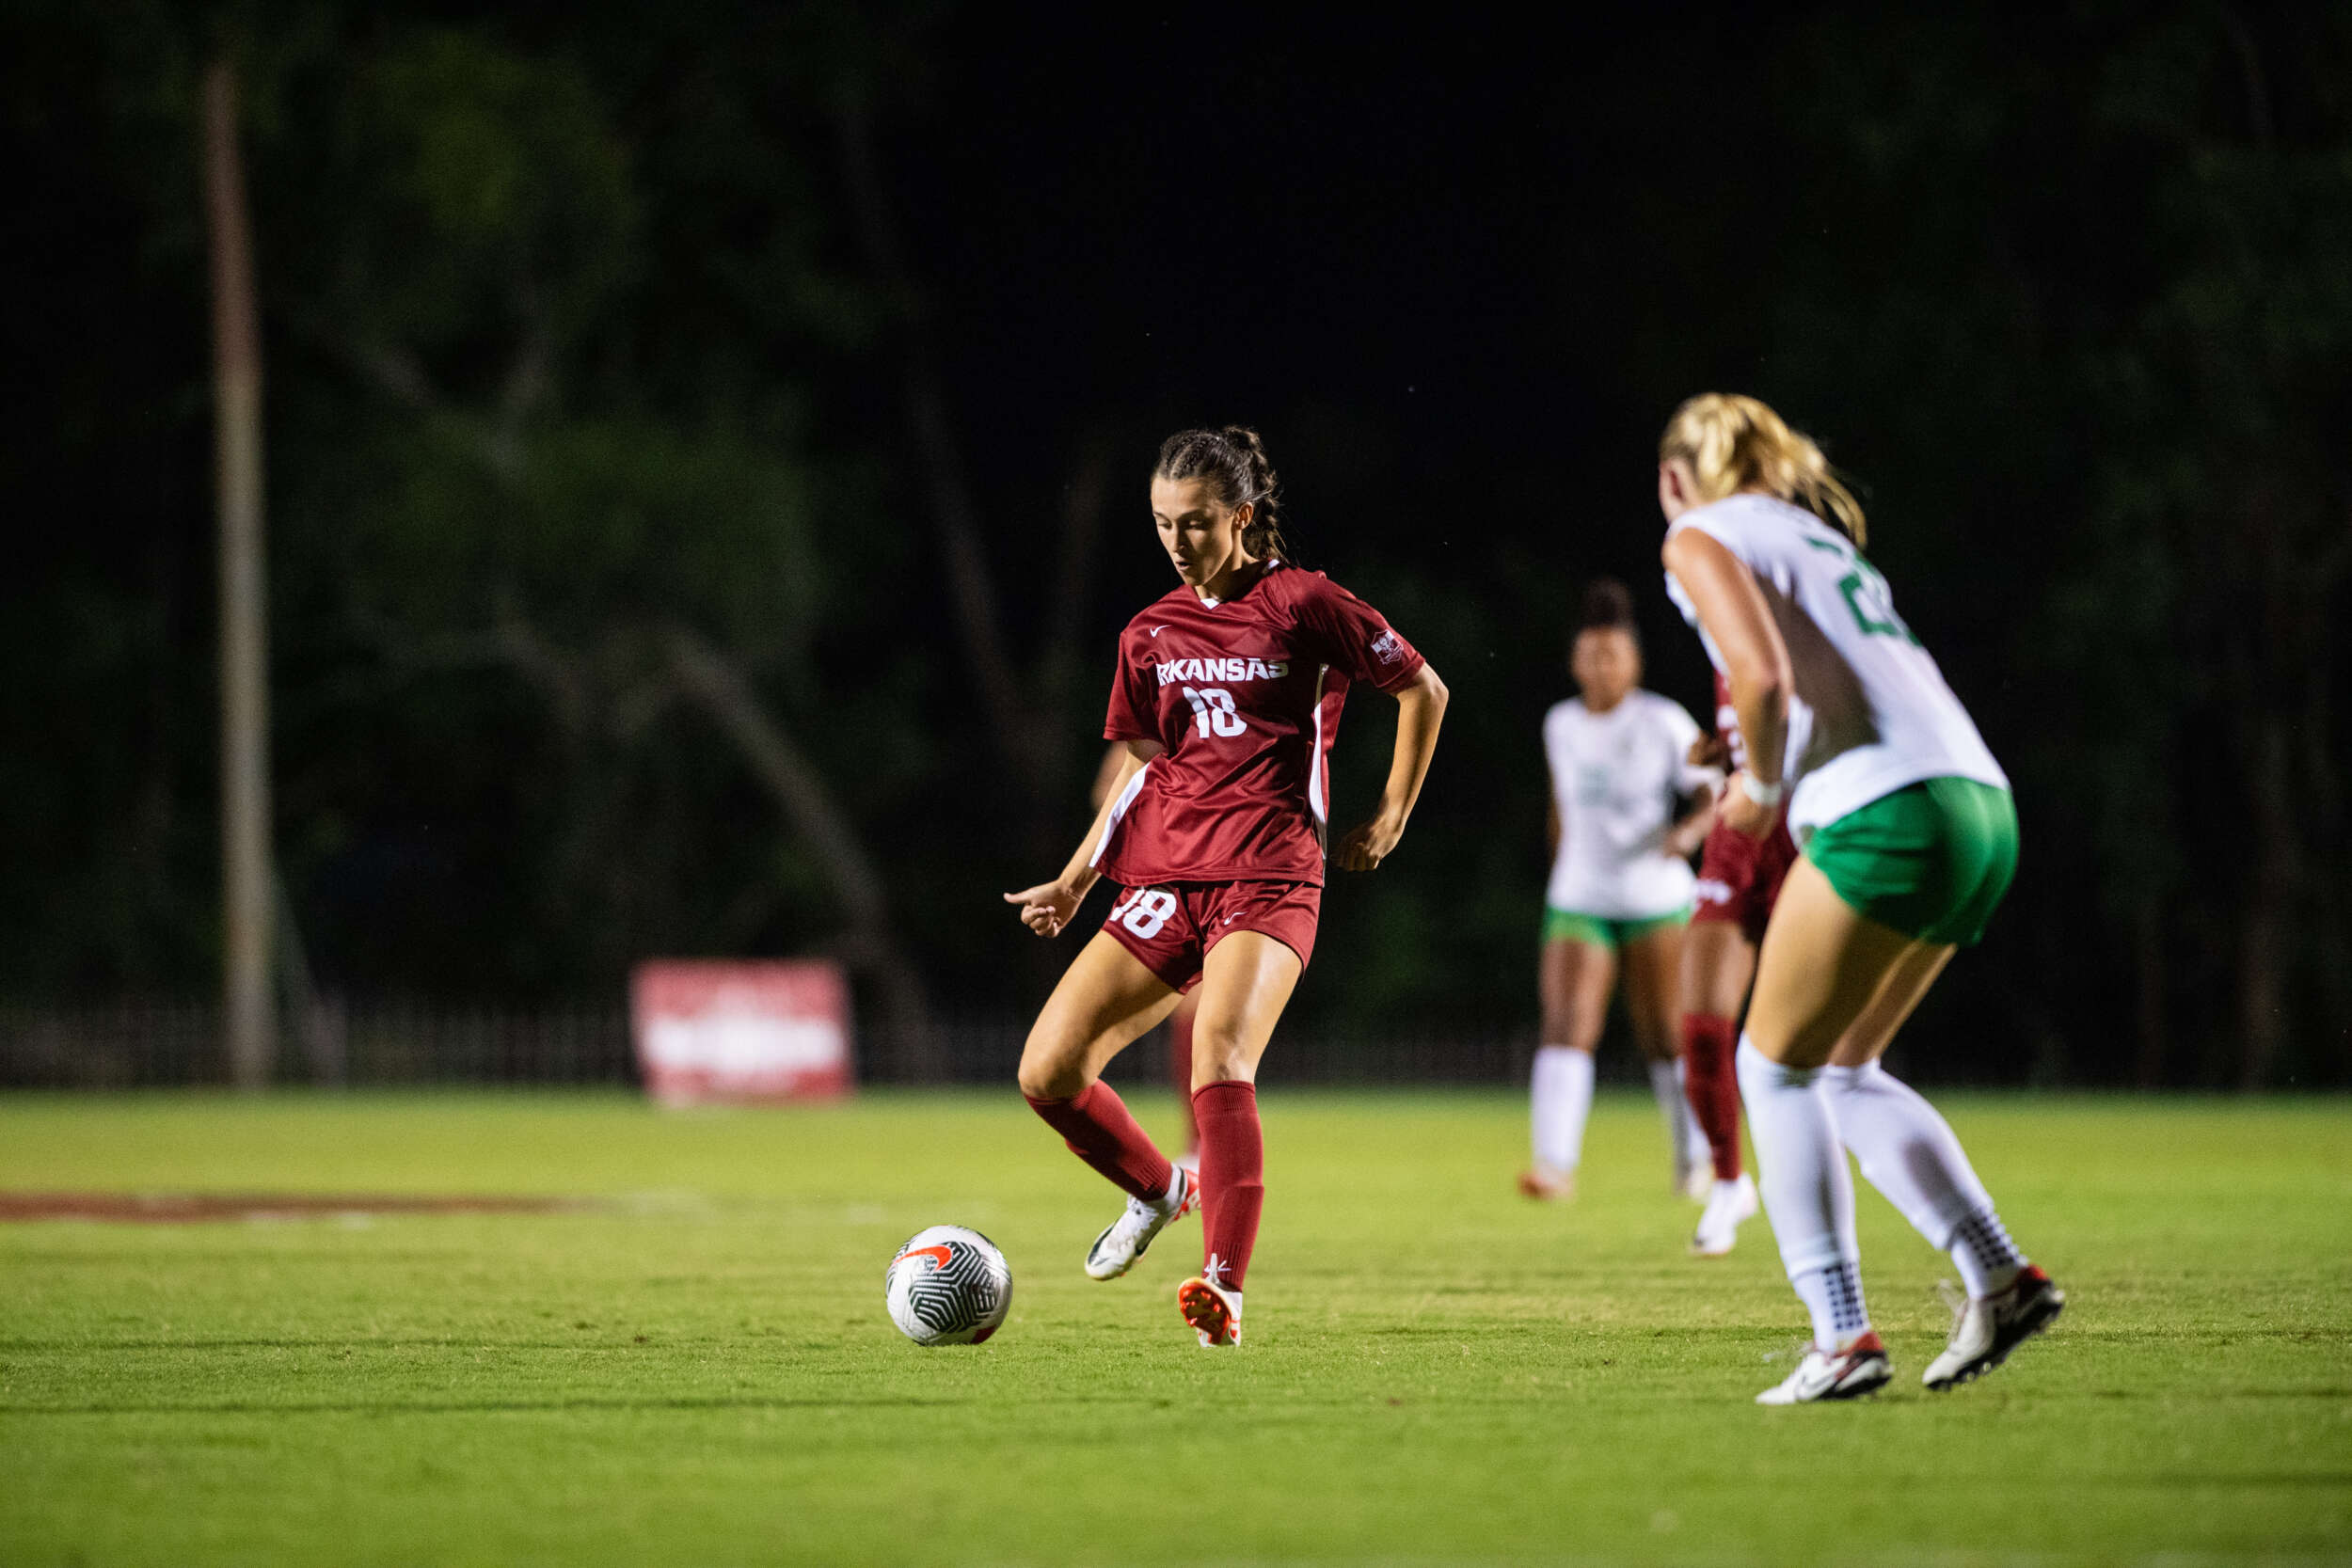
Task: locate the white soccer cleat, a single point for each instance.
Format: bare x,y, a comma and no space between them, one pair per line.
1728,1204
1860,1369
1984,1331
1214,1312
1129,1237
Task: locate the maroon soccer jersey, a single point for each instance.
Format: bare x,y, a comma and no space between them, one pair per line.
1245,695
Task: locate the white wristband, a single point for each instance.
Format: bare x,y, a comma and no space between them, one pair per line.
1764,794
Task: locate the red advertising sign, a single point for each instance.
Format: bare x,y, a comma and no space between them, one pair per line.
717,1029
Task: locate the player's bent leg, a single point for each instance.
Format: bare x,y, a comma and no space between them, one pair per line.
1822,964
1246,983
1574,980
1104,1002
1718,962
1910,1153
1653,976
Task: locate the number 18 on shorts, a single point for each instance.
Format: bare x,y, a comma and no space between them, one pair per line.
1170,928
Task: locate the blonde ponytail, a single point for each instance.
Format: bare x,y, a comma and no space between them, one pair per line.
1735,443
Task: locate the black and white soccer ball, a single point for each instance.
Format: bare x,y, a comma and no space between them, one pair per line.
948,1286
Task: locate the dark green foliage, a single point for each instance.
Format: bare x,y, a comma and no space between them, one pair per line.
583,333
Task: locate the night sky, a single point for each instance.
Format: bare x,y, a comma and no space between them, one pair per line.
1414,254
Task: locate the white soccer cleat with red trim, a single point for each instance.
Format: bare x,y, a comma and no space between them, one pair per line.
1214,1311
1860,1369
1128,1237
1985,1331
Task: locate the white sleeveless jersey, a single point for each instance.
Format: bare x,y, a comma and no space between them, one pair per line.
1616,777
1870,713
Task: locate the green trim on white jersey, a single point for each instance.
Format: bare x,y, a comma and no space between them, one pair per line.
1871,713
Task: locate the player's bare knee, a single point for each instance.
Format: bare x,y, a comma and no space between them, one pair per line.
1217,1059
1048,1073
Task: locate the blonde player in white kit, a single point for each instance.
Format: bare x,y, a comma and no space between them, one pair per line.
1908,839
1628,810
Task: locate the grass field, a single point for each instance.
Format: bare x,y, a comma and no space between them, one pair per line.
696,1369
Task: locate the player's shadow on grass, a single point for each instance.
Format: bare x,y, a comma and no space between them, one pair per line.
38,1346
496,1407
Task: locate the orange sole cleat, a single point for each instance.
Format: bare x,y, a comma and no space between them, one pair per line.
1212,1312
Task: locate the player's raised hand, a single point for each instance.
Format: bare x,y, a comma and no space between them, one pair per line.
1047,908
1363,847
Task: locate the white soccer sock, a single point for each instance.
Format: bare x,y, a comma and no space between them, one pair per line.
1909,1152
1665,1085
1807,1192
1833,1299
1563,1096
1696,1149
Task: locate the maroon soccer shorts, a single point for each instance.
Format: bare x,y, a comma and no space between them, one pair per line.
1171,928
1739,877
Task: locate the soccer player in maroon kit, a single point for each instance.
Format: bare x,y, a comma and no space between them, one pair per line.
1227,697
1739,878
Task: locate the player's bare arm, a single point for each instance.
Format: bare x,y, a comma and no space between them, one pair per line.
1755,661
1712,749
1420,709
1697,820
1049,907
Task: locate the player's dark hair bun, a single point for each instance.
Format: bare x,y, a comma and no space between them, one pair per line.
1234,462
1607,603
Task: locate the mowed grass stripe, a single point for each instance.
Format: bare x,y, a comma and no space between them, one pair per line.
698,1369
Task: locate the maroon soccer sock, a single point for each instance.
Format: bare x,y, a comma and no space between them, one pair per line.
1713,1084
1233,1178
1096,1125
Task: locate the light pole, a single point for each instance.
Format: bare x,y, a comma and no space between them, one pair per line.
249,1022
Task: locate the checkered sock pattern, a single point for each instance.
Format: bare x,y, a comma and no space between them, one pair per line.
1984,1255
1910,1153
1833,1297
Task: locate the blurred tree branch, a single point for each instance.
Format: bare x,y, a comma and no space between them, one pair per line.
1025,714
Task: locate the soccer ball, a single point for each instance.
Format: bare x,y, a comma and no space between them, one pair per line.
947,1286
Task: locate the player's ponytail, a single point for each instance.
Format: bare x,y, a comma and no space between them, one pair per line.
1234,462
1735,443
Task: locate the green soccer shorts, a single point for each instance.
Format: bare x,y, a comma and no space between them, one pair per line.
1598,930
1931,861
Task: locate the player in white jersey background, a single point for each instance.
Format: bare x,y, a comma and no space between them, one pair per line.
1628,810
1908,839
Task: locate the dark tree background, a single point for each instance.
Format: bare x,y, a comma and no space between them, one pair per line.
706,452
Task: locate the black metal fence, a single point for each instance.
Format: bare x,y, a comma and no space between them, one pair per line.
391,1043
137,1044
